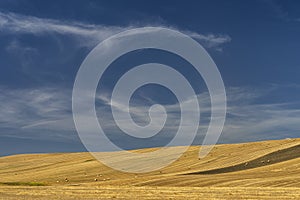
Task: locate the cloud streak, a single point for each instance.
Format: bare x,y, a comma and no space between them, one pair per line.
87,34
36,110
32,113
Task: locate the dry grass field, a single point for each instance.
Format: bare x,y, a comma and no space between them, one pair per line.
258,170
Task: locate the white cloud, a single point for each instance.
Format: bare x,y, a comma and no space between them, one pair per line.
35,113
49,109
87,34
246,119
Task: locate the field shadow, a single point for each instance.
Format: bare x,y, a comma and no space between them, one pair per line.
23,183
269,159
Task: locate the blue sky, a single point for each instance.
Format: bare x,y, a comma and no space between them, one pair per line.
255,45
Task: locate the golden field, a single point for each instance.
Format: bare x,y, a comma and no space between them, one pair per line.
257,170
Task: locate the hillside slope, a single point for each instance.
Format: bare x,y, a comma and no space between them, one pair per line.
267,164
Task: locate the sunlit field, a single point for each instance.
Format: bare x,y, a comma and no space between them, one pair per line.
259,170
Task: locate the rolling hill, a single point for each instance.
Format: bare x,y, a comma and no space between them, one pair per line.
257,170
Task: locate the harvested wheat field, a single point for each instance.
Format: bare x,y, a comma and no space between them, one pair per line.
258,170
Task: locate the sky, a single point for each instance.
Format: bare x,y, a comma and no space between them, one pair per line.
255,45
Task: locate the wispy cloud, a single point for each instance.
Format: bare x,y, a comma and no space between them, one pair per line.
35,113
210,40
246,119
31,112
36,110
280,12
251,121
88,34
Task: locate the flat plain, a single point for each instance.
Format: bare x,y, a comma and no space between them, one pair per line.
256,170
